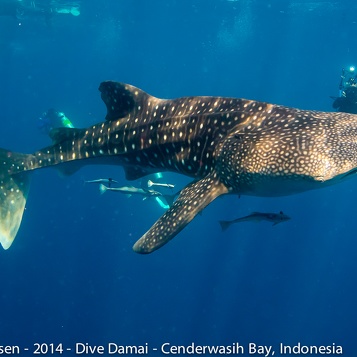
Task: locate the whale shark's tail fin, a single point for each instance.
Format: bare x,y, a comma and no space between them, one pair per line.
13,194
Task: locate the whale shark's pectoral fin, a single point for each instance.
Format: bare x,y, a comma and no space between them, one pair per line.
192,200
13,195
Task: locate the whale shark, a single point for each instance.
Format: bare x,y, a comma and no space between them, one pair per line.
227,145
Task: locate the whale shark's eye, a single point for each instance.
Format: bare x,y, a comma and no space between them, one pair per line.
237,136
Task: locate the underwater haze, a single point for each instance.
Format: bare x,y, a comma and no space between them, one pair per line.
71,275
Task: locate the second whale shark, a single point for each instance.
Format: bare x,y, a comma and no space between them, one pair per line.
228,145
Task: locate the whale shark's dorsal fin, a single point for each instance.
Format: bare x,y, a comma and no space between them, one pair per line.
192,200
122,99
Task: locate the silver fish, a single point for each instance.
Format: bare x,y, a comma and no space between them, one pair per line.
167,185
276,218
108,181
131,190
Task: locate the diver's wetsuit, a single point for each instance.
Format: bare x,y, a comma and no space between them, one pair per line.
347,103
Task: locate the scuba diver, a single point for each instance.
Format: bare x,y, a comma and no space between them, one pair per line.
347,100
52,119
23,9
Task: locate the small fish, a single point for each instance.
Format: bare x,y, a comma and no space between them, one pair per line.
167,185
131,190
276,218
108,181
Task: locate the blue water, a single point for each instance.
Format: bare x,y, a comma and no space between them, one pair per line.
71,276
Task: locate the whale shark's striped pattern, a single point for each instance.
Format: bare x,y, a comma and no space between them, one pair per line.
227,145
